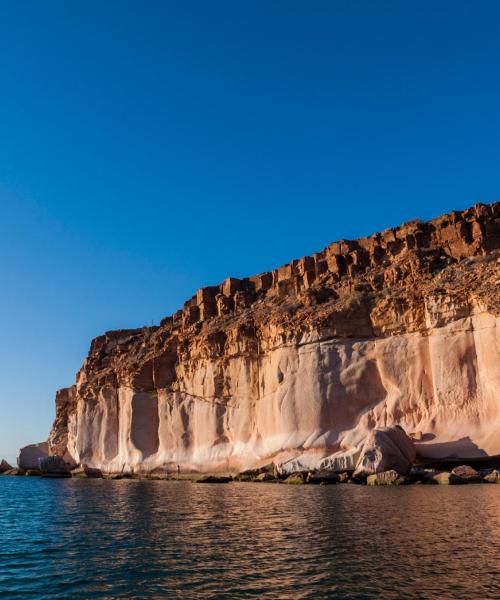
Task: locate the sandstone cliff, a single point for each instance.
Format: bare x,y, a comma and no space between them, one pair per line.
297,365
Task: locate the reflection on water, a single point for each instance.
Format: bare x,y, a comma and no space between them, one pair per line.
141,539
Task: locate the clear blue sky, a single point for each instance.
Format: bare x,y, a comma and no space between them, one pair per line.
149,148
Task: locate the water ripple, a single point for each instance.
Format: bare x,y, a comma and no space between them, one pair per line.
156,539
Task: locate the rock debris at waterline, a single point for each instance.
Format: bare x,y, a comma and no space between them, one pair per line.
300,365
461,475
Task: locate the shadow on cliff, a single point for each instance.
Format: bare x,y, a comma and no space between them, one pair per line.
463,448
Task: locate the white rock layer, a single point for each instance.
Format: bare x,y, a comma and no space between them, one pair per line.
306,405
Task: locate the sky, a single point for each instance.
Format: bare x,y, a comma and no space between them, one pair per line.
150,148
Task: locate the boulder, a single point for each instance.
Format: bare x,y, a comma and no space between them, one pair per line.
464,474
386,449
341,461
442,478
344,477
4,467
322,477
294,479
252,474
492,477
85,472
386,478
53,466
158,473
33,472
29,455
266,477
298,464
458,475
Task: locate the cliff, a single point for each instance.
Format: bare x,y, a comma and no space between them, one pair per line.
297,365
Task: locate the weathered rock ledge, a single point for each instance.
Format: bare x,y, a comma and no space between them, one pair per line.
298,365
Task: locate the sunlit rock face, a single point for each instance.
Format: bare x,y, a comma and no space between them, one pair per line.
298,365
29,456
386,450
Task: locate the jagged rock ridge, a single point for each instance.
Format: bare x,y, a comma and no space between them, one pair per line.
297,365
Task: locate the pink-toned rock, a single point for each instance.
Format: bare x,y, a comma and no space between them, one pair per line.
465,474
29,456
302,364
384,450
492,477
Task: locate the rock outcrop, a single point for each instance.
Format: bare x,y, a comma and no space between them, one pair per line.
298,365
386,450
53,466
465,474
85,472
492,477
390,477
4,466
29,456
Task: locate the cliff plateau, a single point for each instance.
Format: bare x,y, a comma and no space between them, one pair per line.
300,364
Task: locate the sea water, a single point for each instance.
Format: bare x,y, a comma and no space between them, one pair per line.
69,538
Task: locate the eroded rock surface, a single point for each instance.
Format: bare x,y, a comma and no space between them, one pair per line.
29,456
386,450
297,366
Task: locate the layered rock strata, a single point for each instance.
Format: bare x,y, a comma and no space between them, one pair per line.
299,364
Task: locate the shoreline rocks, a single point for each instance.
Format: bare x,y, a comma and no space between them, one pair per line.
386,449
85,472
5,466
464,474
263,477
29,456
322,478
53,466
390,477
492,477
270,470
15,472
457,476
294,479
213,479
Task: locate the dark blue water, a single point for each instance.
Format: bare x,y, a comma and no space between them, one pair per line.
64,538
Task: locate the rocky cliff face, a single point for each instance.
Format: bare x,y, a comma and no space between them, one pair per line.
297,365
